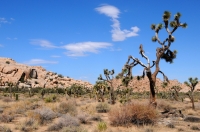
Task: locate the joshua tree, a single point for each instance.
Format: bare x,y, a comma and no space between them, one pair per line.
100,88
109,80
192,84
175,92
162,52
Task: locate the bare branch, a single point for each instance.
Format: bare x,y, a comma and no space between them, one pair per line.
164,76
143,55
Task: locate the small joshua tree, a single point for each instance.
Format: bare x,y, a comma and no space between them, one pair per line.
100,88
109,80
192,84
175,92
162,52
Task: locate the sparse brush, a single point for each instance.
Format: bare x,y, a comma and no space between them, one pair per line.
67,107
102,107
5,129
83,118
6,117
133,113
7,100
64,121
42,115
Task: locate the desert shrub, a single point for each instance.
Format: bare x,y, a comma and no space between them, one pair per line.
133,113
7,100
7,62
5,129
83,118
60,91
6,117
29,125
73,129
170,125
64,121
102,107
195,128
50,98
96,118
67,107
60,75
42,115
102,126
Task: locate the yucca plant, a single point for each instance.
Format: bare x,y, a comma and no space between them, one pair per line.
191,84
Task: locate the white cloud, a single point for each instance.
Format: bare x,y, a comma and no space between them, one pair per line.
79,49
108,10
117,33
43,43
3,20
12,19
1,45
55,56
39,61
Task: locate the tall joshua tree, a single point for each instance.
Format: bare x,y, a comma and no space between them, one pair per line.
162,52
192,84
109,79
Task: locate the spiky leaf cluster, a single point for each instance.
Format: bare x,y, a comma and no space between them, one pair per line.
172,39
100,77
126,80
153,26
192,82
177,16
173,24
154,39
184,25
169,56
166,15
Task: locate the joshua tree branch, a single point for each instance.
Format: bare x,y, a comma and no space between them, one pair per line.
143,55
136,60
164,76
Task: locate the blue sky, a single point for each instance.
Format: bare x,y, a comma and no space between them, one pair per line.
80,38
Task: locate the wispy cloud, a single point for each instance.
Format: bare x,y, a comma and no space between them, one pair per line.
43,43
117,33
55,56
8,38
1,45
39,61
12,19
80,49
3,20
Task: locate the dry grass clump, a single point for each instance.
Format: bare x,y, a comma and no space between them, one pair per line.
7,99
83,118
133,113
28,125
5,129
67,107
42,115
102,107
165,106
6,117
64,121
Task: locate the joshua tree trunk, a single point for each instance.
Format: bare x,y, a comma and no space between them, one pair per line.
152,82
192,100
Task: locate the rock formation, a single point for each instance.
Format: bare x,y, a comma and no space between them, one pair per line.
33,76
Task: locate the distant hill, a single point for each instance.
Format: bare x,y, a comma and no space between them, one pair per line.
33,76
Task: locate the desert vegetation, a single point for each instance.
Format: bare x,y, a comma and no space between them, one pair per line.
106,107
